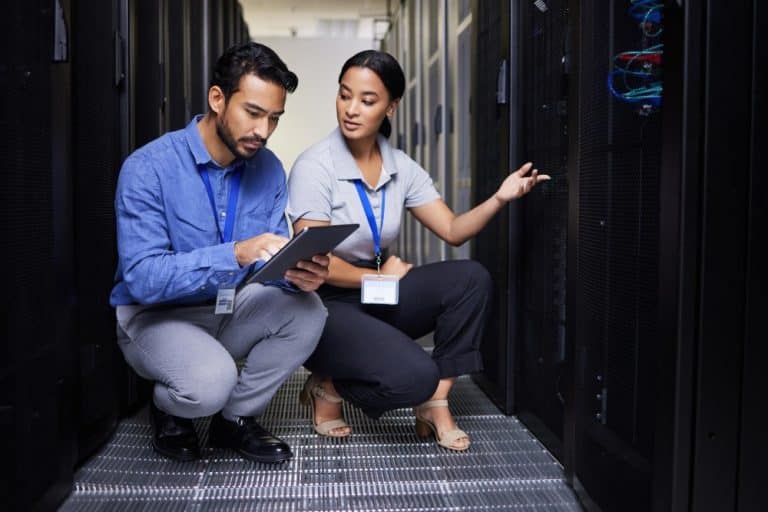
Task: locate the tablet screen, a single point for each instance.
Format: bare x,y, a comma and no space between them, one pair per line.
305,244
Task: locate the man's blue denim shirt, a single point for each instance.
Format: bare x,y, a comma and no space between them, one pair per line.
168,246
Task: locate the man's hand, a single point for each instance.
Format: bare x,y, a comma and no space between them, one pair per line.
309,275
260,247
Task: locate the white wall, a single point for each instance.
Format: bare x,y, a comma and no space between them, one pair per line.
310,112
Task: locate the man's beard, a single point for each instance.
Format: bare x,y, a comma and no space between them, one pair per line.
222,130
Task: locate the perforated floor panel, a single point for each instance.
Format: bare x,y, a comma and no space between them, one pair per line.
383,466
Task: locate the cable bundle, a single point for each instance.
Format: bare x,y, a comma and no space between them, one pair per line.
636,75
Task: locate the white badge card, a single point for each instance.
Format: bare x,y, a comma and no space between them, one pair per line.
225,301
379,289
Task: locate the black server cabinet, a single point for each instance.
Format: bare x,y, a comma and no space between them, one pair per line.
179,58
665,266
731,208
36,364
99,127
200,60
148,69
613,238
751,496
542,373
496,247
229,35
216,41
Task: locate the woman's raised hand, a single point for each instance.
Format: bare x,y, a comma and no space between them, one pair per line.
517,184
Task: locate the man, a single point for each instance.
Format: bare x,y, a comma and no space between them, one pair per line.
196,210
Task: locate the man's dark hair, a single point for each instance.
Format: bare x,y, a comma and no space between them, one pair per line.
389,71
251,57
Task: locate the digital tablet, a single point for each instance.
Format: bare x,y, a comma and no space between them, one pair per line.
305,244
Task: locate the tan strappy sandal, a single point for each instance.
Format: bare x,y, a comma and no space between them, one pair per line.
313,389
425,427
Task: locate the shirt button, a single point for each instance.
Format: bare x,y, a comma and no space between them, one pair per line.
223,213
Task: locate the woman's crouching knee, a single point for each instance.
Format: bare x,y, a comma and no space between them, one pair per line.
414,383
476,275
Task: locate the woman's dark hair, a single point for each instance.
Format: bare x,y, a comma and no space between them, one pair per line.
390,72
254,58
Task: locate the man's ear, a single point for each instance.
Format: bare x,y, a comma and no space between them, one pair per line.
216,100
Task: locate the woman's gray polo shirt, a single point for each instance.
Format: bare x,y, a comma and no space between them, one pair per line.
321,186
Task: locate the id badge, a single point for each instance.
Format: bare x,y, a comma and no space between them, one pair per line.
225,301
379,289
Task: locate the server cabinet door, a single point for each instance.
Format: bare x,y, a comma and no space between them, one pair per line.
98,156
613,303
179,59
200,62
148,69
495,246
754,450
543,377
36,364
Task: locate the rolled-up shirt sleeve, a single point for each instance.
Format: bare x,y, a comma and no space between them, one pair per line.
310,194
152,270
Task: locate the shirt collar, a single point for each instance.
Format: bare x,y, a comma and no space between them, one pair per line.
344,163
197,147
195,143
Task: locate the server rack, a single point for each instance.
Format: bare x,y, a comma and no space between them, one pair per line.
493,152
37,364
216,42
753,450
178,56
199,58
541,40
98,129
684,330
727,183
613,304
149,69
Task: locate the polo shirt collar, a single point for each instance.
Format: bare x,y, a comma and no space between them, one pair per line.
344,163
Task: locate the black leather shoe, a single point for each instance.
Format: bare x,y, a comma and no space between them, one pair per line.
249,439
172,436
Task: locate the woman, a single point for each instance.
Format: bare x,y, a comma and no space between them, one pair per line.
367,355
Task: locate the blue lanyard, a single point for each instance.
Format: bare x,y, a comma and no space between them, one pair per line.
234,191
372,219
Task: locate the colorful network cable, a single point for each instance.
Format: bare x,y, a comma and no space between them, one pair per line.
638,73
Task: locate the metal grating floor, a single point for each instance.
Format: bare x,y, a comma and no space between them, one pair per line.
383,466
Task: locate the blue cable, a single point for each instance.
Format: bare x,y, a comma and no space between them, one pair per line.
641,86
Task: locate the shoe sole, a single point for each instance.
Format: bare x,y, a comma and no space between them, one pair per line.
266,460
273,459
